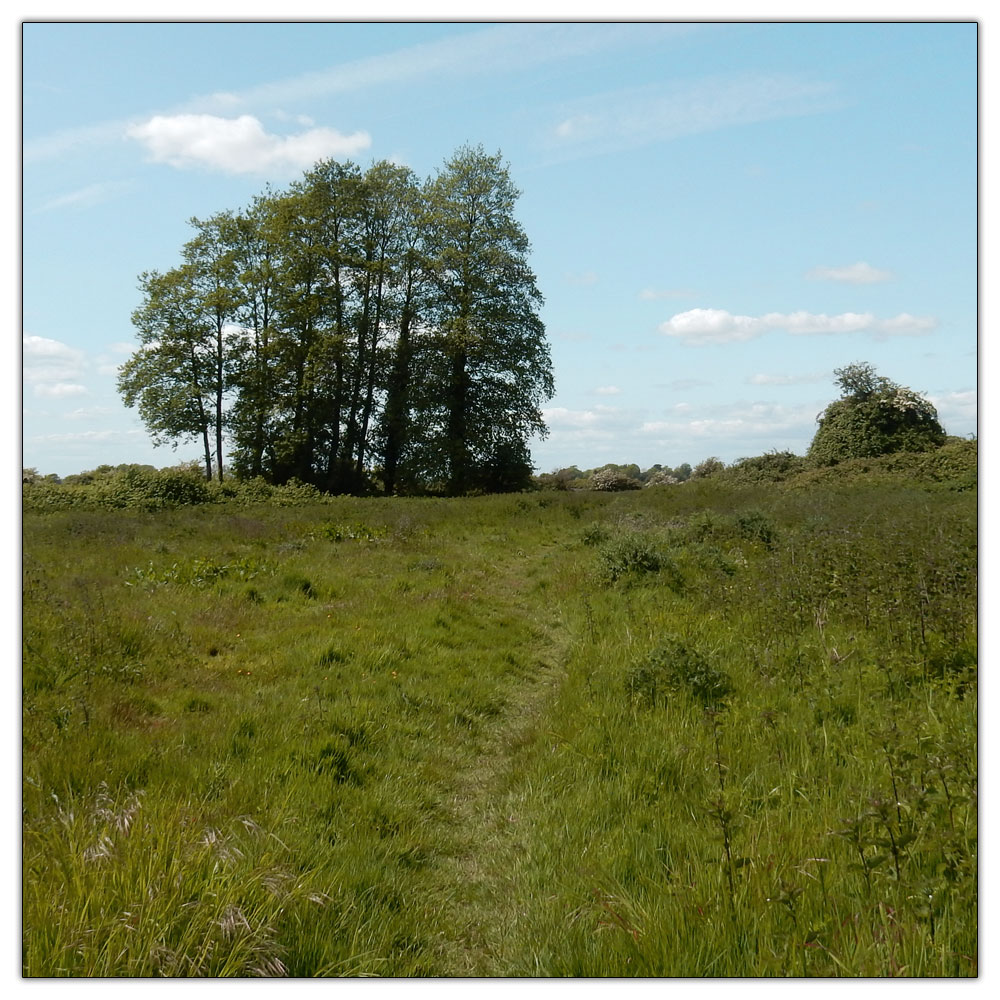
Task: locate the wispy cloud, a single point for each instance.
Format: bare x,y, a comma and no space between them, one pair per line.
718,326
788,379
635,116
239,145
607,390
69,437
683,384
56,144
505,49
89,413
658,294
85,197
581,278
854,274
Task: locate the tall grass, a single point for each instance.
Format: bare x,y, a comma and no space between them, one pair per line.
723,729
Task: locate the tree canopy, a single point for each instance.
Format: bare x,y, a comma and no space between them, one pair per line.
360,330
874,416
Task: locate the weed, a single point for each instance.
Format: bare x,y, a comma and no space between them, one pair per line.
673,666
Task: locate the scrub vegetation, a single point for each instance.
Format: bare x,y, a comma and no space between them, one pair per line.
723,727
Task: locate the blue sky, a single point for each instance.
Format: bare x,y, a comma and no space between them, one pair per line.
720,214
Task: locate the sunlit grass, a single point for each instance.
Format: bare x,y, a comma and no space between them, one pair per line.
710,730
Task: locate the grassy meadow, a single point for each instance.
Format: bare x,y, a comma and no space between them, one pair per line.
725,728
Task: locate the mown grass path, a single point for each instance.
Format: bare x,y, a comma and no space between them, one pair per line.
479,887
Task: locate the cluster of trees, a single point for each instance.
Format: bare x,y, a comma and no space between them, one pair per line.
360,330
572,477
615,477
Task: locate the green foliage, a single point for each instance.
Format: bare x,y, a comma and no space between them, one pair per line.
200,572
772,467
628,554
675,666
873,417
357,332
355,532
755,526
709,467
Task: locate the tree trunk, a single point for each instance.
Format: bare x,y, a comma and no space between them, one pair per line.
458,401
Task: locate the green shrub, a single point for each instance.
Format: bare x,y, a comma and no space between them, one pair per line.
675,666
626,554
595,534
710,467
773,467
873,417
756,527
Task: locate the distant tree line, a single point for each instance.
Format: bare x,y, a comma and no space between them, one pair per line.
360,331
874,416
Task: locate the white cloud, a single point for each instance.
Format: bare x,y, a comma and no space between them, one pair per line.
704,326
50,362
595,424
742,422
855,274
58,389
957,411
607,390
239,145
581,277
719,326
561,417
904,325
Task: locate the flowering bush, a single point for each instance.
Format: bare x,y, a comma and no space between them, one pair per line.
612,481
874,417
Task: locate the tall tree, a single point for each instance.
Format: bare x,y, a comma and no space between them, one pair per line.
496,368
255,251
403,369
171,378
211,258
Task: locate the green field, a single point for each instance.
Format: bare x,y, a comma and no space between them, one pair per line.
725,728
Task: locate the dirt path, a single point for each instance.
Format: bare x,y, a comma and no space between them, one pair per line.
482,896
